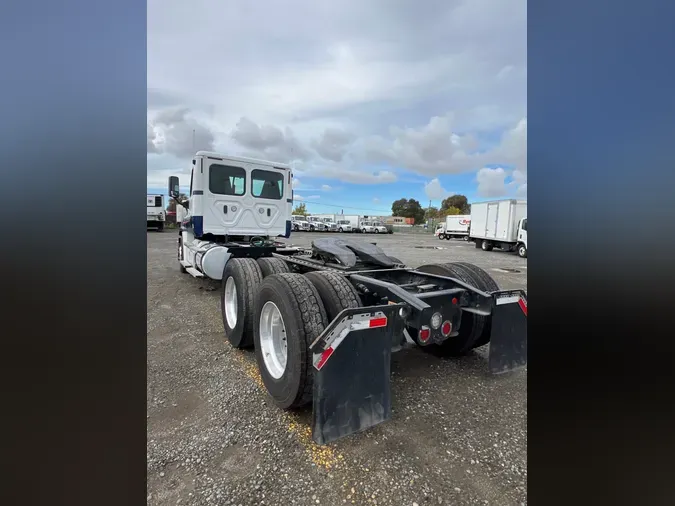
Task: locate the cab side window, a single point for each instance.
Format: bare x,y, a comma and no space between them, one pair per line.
227,180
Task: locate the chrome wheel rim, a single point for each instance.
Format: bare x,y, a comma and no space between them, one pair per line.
231,302
273,344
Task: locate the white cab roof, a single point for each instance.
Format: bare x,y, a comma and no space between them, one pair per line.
222,156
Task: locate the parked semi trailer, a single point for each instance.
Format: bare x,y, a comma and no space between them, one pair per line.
325,320
500,224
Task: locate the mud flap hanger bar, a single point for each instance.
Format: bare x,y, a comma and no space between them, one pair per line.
471,299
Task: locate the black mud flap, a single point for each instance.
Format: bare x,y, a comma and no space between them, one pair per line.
508,340
352,365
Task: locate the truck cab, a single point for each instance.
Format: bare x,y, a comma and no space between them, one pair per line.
331,226
299,223
316,224
232,201
522,238
238,197
344,226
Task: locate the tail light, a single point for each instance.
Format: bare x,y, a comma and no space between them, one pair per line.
424,334
446,328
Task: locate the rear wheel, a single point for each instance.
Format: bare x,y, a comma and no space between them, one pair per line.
241,278
471,325
483,281
272,265
335,291
448,237
486,246
288,316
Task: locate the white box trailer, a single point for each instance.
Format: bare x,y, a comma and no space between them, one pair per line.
500,224
455,226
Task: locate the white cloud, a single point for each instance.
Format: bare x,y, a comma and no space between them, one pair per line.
521,192
177,131
348,175
341,96
376,200
296,183
491,182
312,197
326,187
435,191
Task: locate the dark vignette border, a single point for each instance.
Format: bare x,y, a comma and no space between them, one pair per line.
73,252
601,132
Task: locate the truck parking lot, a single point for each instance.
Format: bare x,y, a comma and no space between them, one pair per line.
458,434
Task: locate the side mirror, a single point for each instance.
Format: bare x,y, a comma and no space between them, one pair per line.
174,187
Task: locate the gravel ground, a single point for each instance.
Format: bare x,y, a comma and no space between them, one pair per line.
457,436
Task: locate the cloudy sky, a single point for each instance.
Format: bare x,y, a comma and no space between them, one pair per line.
370,101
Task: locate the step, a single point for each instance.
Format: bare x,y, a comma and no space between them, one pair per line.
194,272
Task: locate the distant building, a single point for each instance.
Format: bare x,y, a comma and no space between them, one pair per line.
398,221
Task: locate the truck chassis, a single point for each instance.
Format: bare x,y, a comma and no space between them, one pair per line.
325,321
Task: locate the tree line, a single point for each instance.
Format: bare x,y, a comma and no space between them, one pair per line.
411,208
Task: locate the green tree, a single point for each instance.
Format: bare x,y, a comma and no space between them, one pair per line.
300,209
450,211
408,208
431,213
458,201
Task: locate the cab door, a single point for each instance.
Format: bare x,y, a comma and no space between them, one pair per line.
268,189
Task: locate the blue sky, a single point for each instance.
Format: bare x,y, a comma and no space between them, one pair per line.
366,113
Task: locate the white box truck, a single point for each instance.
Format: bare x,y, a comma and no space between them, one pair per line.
500,224
455,226
349,222
156,211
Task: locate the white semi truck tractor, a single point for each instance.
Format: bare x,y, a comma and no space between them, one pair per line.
324,320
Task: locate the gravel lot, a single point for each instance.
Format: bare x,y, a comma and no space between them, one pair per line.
458,435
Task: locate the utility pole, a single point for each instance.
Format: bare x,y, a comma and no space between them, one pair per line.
429,225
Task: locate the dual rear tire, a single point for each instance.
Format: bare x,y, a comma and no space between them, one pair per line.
280,314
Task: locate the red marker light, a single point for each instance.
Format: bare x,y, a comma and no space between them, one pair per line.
424,334
454,301
446,328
